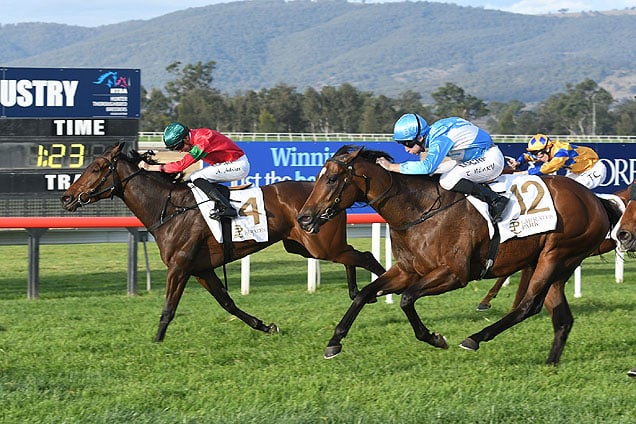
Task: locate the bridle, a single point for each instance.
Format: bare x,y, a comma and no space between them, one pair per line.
333,210
435,208
115,188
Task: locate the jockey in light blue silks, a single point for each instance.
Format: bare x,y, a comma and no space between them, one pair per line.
472,158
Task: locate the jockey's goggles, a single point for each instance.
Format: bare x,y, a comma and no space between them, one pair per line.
537,153
408,143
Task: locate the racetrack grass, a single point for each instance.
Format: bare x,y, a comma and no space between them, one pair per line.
83,352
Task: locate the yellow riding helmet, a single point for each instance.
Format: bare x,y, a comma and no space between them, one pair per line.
539,142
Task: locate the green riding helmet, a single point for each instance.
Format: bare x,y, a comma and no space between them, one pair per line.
174,135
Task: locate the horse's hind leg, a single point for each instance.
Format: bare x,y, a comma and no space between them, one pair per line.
530,305
562,319
213,285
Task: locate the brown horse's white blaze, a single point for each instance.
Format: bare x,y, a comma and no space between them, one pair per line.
186,244
625,232
440,243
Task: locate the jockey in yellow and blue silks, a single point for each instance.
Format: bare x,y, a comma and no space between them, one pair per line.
462,153
580,163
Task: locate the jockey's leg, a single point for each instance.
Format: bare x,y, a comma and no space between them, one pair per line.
222,204
496,202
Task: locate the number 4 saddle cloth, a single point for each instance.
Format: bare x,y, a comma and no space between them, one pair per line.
251,222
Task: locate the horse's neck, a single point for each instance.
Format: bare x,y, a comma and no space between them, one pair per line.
410,193
146,197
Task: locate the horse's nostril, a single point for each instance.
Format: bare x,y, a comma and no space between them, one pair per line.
623,235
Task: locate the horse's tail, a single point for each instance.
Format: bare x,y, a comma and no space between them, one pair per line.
613,211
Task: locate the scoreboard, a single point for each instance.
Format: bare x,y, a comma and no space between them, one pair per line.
53,123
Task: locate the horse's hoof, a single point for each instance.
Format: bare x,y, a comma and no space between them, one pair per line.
332,351
469,344
440,341
273,329
483,307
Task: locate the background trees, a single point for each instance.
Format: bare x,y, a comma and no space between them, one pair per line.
584,108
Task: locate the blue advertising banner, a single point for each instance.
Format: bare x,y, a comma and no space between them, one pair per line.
272,162
69,93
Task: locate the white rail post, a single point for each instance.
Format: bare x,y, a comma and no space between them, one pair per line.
245,275
313,274
388,256
577,282
376,229
619,266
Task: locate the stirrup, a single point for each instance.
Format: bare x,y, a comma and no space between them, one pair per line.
497,208
222,212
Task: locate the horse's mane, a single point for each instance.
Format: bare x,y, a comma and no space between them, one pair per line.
366,154
133,156
371,156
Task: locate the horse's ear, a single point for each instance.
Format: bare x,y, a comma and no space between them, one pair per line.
353,153
632,191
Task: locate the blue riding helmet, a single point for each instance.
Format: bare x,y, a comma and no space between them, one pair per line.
174,135
408,128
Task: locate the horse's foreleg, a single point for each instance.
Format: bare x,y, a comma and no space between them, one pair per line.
484,305
562,320
526,273
214,286
366,295
353,258
352,281
175,284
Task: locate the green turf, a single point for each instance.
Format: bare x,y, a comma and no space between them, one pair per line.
83,352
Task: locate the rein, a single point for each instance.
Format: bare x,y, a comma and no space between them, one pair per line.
331,211
179,210
432,211
435,208
117,183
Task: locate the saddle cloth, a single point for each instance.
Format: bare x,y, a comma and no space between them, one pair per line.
251,222
530,209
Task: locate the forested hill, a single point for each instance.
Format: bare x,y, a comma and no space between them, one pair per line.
385,48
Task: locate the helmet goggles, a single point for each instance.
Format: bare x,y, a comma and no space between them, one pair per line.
408,143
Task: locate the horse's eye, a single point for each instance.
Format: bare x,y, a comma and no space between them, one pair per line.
332,179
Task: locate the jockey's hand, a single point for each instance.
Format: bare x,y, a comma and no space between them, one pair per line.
388,165
383,162
143,165
513,163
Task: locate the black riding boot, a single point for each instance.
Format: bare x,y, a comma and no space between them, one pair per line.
496,202
221,203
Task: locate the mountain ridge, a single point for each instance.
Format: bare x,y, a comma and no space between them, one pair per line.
385,48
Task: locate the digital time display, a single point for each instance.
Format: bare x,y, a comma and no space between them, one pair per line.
50,155
61,155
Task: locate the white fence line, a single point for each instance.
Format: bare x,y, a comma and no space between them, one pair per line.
153,136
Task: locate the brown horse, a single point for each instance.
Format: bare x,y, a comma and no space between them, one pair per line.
608,245
440,243
625,232
188,248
